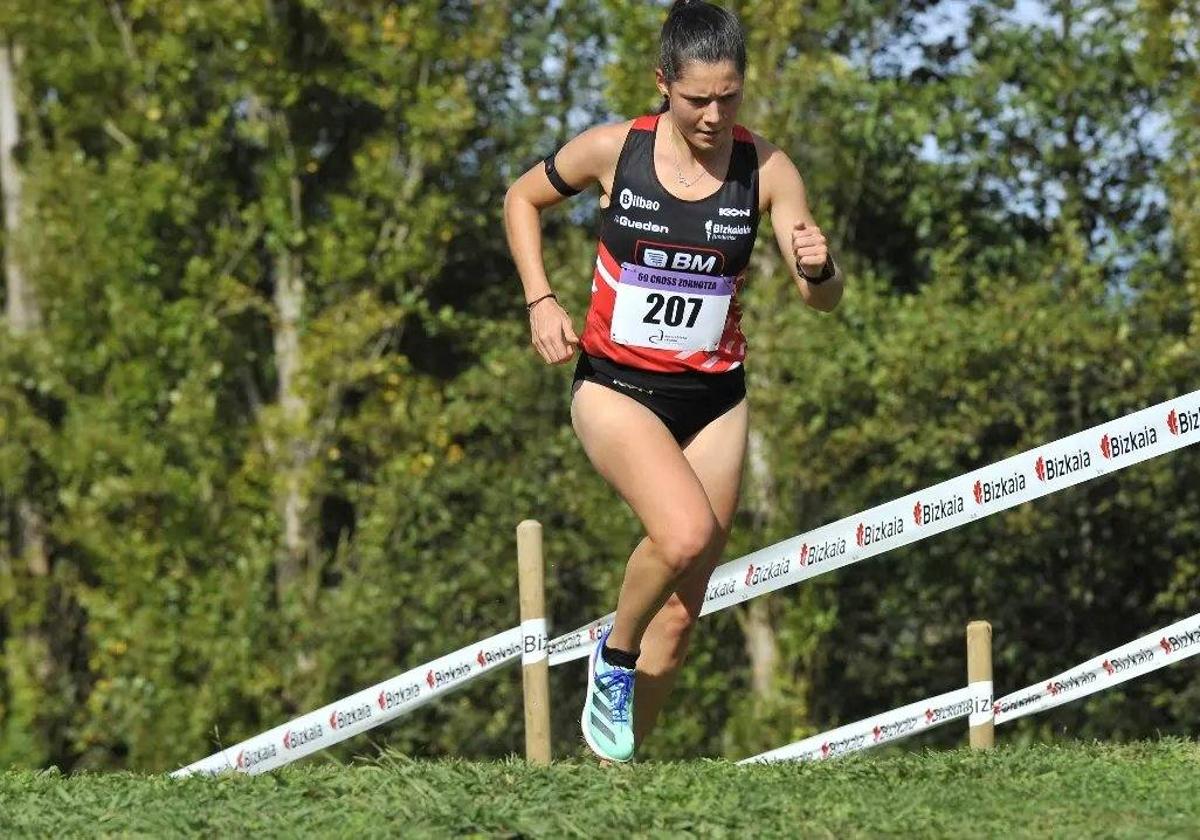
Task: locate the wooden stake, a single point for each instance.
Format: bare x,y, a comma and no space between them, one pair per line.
531,583
979,671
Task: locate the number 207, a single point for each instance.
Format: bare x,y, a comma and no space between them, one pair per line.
672,309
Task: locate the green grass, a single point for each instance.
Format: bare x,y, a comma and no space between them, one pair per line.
1135,790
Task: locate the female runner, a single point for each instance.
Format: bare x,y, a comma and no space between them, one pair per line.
659,388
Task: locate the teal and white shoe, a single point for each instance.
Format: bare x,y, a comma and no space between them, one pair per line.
607,719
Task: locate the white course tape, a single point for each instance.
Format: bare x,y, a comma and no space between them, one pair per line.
1094,452
880,729
534,647
985,709
1149,653
362,711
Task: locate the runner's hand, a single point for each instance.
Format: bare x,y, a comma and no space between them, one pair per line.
552,333
810,249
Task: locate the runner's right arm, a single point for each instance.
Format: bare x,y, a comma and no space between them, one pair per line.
589,158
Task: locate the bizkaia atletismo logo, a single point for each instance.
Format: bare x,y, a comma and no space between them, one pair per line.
937,714
990,491
888,731
1114,446
817,553
436,678
720,588
341,718
392,698
1183,422
494,656
247,759
725,232
296,738
1057,687
1048,469
927,513
761,574
1176,643
629,200
1119,664
869,533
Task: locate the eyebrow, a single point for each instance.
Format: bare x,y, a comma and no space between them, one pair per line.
706,98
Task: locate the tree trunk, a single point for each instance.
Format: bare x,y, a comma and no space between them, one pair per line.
22,312
291,448
23,319
21,304
755,619
295,449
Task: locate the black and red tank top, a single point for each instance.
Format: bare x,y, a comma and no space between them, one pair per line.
668,270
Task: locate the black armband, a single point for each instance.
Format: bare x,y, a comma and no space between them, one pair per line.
557,180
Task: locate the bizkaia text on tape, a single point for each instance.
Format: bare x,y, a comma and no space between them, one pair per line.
534,644
883,728
1047,469
363,710
1141,656
984,710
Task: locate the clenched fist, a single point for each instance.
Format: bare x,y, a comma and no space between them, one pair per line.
552,334
810,249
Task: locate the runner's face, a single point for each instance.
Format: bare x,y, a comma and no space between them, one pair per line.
704,101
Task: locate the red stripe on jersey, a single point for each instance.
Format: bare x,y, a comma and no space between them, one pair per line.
646,123
741,135
609,261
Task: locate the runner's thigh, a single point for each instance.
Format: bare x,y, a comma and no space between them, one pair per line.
716,454
632,449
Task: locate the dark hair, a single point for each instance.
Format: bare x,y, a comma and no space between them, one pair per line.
699,31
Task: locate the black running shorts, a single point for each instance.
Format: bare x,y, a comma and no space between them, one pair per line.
686,402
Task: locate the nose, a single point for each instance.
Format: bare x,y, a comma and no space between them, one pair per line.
712,113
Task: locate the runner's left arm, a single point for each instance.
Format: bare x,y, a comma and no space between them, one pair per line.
801,242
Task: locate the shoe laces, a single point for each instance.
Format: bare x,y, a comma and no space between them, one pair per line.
618,686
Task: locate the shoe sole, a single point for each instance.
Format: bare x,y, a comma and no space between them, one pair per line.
583,721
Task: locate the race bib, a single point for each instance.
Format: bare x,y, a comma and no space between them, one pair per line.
670,310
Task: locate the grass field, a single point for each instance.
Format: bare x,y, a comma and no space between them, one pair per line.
1137,790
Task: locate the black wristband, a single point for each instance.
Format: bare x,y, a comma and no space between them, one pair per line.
557,181
827,272
529,306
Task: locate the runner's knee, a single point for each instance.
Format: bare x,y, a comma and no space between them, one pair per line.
684,547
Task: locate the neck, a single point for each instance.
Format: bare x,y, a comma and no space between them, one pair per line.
689,153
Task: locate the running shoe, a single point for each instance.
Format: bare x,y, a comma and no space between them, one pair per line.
607,718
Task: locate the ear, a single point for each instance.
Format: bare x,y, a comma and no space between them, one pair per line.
660,79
